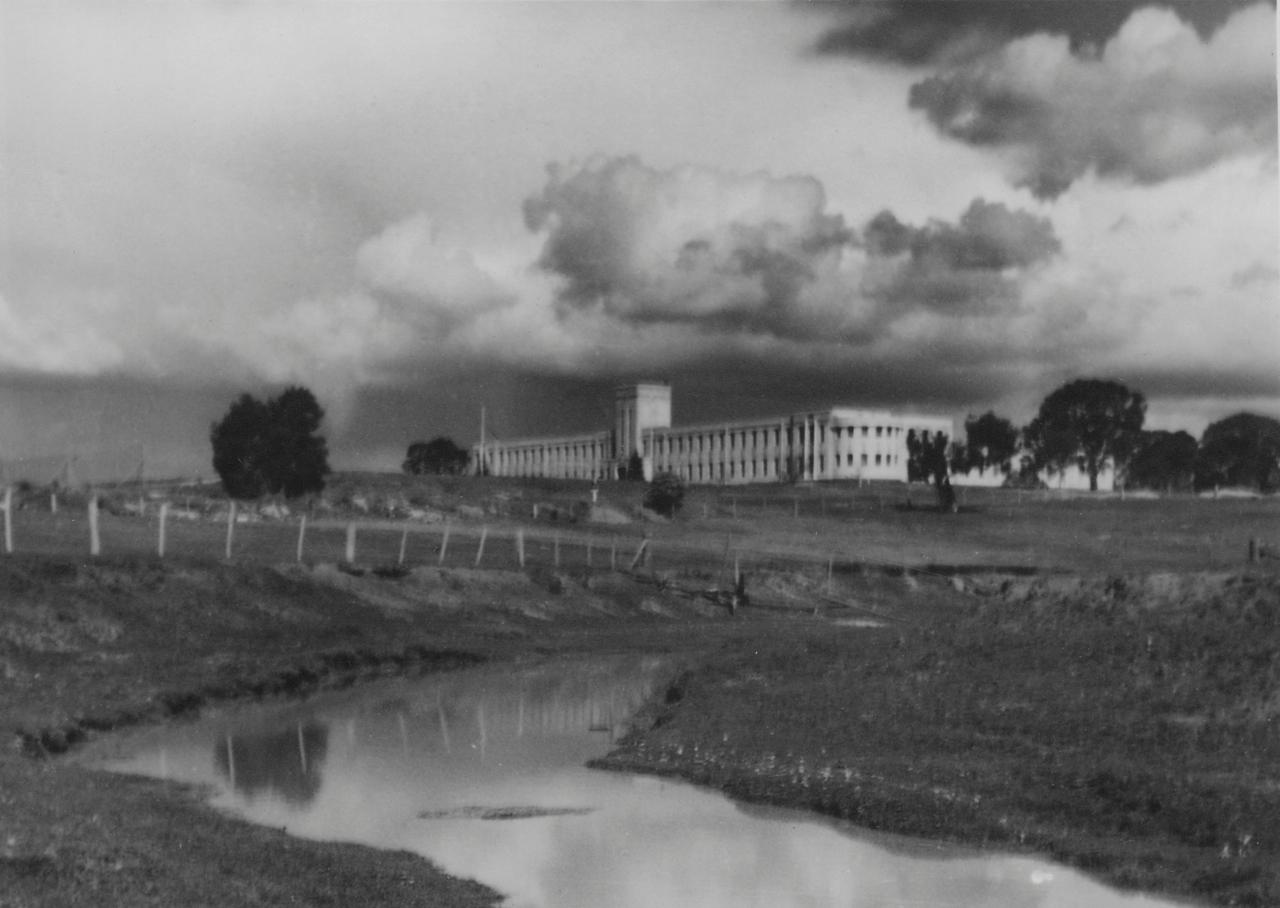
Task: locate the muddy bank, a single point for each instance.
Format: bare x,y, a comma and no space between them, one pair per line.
1125,725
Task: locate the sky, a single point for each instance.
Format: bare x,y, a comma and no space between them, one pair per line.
416,209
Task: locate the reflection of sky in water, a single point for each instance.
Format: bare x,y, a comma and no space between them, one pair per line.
366,764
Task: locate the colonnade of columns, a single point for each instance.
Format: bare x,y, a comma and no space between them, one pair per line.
584,457
832,444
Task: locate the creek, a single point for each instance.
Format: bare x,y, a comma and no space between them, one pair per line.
482,772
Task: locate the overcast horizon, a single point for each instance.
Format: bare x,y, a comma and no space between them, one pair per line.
419,209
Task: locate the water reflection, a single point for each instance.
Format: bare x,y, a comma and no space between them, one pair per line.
482,772
284,763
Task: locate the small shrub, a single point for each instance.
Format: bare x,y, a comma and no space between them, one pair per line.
665,494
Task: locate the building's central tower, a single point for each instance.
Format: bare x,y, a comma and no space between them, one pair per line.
637,409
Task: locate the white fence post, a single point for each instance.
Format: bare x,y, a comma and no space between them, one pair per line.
164,516
95,541
302,536
520,546
404,542
351,543
231,526
484,532
8,520
444,544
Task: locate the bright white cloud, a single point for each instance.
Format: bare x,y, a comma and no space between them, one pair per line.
1158,102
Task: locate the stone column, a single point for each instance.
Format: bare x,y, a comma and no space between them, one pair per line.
829,452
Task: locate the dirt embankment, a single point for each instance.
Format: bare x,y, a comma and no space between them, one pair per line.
88,647
1127,725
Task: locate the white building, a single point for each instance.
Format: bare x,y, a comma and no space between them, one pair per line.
836,443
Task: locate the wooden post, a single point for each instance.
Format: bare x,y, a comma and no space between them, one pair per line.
53,502
1253,551
484,532
520,547
555,556
589,541
644,543
164,516
351,543
95,540
831,563
302,536
8,520
404,542
613,555
231,526
444,544
737,570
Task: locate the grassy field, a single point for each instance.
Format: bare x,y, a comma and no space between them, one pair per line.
1091,678
1128,727
847,526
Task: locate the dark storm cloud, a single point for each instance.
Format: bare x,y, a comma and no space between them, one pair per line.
1131,91
1175,383
974,264
918,32
692,244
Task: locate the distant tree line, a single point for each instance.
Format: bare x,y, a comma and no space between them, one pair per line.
440,457
1094,425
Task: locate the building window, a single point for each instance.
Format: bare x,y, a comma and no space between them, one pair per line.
877,460
879,431
865,430
864,460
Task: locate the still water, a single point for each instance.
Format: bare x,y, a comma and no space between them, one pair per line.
482,772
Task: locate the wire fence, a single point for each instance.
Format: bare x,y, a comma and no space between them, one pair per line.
835,533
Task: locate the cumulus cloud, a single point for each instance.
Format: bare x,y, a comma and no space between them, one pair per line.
407,262
752,252
1157,101
976,264
52,341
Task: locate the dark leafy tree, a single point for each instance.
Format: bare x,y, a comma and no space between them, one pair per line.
665,494
1091,422
237,441
991,442
272,447
1241,450
296,457
1164,461
634,469
440,456
927,462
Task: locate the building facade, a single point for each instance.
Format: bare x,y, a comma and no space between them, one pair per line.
836,443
